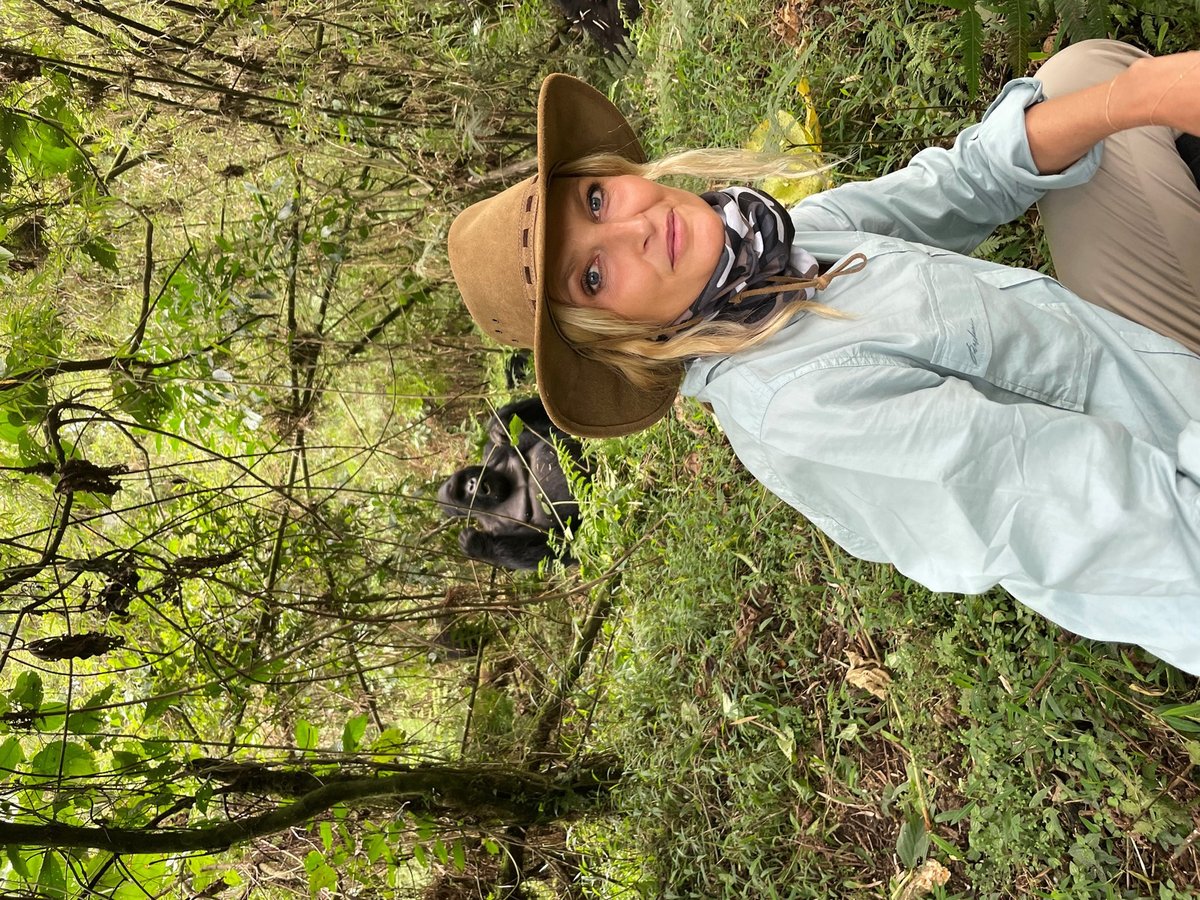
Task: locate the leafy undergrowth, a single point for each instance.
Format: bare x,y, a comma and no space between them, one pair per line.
797,723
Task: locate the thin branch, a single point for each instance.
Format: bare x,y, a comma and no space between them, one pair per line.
377,329
478,793
135,342
120,168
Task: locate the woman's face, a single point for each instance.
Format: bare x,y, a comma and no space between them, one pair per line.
639,249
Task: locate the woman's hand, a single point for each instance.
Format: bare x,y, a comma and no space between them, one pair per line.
1160,90
1157,90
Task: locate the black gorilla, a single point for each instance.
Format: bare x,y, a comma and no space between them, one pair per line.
519,496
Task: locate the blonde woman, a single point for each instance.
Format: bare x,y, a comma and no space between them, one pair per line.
970,423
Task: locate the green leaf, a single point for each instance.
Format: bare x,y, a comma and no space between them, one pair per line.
1082,19
50,717
1018,31
352,734
54,107
52,880
306,735
102,253
460,856
27,693
144,398
946,847
65,757
92,720
1184,710
913,843
390,743
11,756
156,707
127,762
326,831
441,851
420,855
515,427
376,847
143,875
44,151
18,861
971,46
10,432
425,828
203,797
1184,726
320,875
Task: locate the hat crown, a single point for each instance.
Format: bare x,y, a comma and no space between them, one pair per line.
492,255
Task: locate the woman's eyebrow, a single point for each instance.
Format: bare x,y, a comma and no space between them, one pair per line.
568,266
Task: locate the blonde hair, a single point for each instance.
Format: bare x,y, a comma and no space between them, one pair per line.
710,164
637,350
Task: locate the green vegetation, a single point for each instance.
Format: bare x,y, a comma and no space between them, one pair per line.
242,655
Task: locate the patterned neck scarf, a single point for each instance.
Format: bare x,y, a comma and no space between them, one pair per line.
758,250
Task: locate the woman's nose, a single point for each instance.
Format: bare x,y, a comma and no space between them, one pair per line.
633,232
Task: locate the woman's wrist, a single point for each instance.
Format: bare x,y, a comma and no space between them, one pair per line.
1118,87
1162,90
1159,91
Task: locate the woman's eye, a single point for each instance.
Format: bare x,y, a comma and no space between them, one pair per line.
592,279
595,199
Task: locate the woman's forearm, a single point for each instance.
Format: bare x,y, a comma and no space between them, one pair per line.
1153,91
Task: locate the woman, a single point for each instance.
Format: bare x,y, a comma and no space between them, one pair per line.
970,423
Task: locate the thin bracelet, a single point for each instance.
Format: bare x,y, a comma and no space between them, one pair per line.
1172,87
1107,99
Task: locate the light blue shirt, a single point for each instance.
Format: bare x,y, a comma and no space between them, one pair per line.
975,424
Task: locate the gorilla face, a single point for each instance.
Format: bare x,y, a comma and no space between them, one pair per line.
605,20
519,495
473,489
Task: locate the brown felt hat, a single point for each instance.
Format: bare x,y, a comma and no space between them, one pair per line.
498,254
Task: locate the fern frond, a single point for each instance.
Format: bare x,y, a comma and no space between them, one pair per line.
1018,32
987,247
971,46
1083,19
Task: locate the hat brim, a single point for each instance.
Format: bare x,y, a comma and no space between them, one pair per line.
581,395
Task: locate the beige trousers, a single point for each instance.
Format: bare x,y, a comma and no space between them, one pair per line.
1128,240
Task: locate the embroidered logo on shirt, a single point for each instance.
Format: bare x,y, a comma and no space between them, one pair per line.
973,343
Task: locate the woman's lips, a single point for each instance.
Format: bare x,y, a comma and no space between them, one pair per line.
672,238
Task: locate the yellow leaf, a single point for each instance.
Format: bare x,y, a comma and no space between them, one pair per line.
784,133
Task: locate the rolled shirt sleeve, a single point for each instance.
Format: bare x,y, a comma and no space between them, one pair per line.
952,198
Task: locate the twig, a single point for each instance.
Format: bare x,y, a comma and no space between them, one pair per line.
135,342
